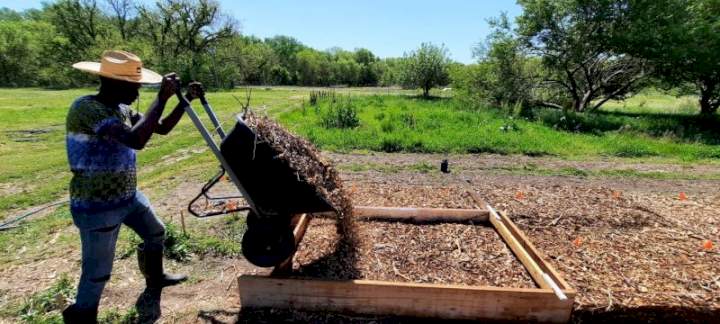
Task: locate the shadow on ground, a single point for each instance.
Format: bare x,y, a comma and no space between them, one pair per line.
648,314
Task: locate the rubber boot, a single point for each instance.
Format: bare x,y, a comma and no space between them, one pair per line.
151,266
75,315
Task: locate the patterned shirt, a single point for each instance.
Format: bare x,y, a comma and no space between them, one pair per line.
103,168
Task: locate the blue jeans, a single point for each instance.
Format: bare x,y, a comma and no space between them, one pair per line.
98,244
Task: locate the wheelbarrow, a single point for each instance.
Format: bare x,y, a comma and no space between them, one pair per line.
272,190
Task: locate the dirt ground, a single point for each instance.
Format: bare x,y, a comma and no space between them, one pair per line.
631,247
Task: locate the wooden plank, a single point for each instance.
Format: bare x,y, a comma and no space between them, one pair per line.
537,255
420,215
404,299
525,251
532,267
301,223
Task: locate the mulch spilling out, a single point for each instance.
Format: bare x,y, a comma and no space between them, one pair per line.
305,159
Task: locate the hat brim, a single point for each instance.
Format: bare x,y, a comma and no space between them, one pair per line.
146,76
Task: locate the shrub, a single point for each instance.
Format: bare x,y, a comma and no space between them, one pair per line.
341,114
391,145
317,96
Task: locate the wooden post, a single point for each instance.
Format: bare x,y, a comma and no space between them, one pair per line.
300,223
417,215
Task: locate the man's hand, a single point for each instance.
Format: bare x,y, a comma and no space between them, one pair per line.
169,87
195,90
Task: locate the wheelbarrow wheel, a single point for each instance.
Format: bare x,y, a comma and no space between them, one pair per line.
267,246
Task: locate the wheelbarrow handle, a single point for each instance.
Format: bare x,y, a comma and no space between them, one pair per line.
213,118
214,146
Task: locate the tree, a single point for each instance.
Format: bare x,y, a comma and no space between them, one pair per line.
81,22
505,73
185,32
122,11
313,68
574,40
681,38
19,43
426,68
366,59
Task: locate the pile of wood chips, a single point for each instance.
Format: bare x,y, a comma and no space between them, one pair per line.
467,254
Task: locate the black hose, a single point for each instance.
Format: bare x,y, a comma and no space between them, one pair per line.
6,225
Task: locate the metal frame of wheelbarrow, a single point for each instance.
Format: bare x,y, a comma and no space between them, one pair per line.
224,166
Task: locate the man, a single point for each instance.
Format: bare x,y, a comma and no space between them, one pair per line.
103,134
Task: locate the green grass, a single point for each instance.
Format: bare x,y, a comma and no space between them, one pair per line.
215,238
408,124
46,306
23,241
652,125
32,143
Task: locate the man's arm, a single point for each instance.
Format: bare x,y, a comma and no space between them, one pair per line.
137,136
167,124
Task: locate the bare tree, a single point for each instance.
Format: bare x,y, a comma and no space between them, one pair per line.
122,12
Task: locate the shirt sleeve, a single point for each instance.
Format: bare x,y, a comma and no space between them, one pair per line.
90,117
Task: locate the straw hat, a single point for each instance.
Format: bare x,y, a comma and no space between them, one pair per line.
120,65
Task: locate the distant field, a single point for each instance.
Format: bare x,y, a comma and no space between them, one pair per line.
34,168
652,101
410,124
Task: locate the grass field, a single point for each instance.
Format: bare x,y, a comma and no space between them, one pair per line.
410,124
34,168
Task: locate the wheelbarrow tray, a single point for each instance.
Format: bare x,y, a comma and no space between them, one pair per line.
269,182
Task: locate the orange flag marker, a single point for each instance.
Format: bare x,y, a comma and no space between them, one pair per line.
683,196
519,195
616,194
577,241
707,245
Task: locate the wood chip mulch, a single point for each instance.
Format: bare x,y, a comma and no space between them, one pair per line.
305,159
442,253
628,255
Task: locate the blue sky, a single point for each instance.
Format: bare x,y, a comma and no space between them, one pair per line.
388,28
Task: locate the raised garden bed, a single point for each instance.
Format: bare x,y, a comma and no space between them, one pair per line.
412,270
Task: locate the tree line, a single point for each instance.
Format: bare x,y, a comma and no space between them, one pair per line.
567,54
195,38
